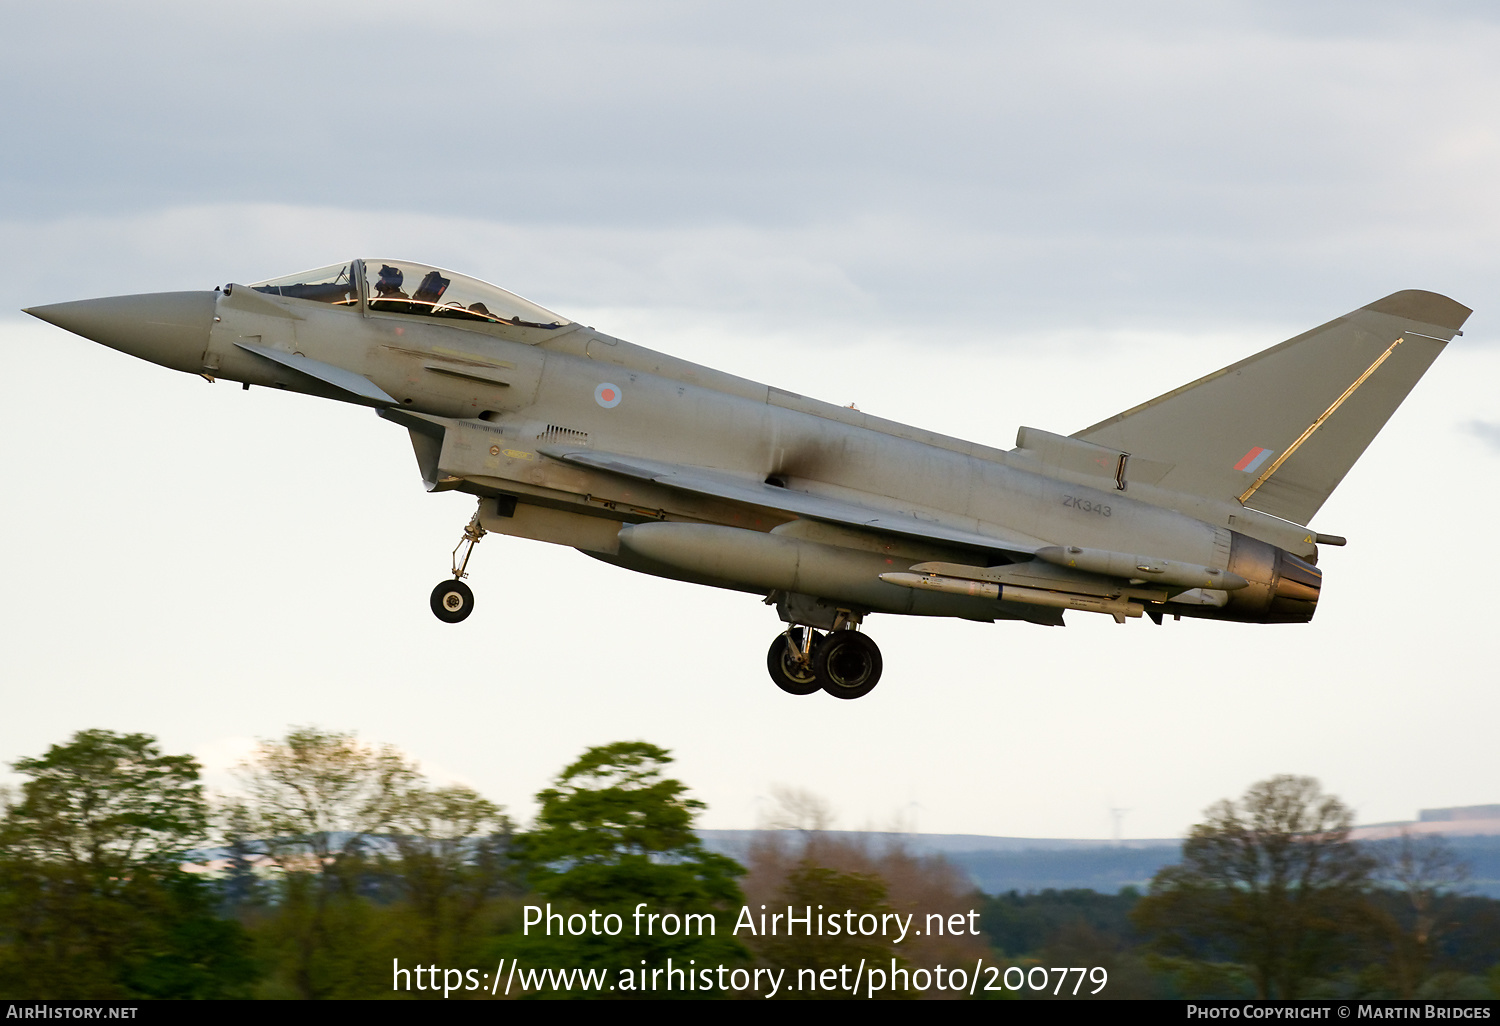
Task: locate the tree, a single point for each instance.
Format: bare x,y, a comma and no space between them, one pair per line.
612,817
811,886
313,803
796,860
1421,879
315,797
1271,883
94,901
371,863
106,803
614,833
454,851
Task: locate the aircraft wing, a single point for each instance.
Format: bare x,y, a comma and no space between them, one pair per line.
720,484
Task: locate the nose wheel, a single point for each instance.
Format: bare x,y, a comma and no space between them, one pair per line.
453,601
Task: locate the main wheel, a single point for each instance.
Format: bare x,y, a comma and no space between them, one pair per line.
848,664
452,601
786,670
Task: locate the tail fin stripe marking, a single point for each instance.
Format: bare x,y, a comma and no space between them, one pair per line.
1244,496
1252,460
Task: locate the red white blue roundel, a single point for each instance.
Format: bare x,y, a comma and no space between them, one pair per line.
607,395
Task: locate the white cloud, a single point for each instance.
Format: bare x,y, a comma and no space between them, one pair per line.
1487,432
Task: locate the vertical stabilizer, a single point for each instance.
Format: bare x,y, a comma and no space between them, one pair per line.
1278,431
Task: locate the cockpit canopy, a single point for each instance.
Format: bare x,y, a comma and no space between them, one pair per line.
405,287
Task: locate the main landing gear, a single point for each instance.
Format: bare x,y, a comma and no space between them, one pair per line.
844,663
453,601
790,660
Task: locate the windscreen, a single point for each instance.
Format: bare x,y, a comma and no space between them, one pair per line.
333,284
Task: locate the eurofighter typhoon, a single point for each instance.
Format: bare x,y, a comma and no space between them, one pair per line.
1193,504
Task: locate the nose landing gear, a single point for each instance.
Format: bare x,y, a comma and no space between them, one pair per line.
453,601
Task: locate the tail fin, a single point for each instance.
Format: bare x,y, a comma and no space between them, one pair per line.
1278,431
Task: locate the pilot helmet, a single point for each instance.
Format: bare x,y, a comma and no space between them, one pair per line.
390,280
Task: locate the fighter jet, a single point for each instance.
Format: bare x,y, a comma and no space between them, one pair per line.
1193,504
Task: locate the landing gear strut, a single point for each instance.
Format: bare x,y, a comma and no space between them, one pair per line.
453,601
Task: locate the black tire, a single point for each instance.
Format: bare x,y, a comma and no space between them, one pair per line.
790,675
452,601
848,663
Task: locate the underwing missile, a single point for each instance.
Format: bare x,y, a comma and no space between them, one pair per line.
1143,568
1116,607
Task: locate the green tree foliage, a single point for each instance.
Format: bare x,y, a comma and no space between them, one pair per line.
314,798
1073,927
311,802
822,889
110,802
612,820
371,864
614,833
1023,924
453,855
93,902
1270,886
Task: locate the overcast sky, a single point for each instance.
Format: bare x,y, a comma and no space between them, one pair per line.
964,216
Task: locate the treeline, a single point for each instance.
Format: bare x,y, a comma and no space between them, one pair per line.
1084,927
1271,899
338,863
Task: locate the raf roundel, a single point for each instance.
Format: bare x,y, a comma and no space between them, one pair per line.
607,395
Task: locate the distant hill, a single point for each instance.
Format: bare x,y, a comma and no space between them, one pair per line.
1000,864
997,865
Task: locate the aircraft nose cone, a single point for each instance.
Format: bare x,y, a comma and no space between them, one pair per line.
169,328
